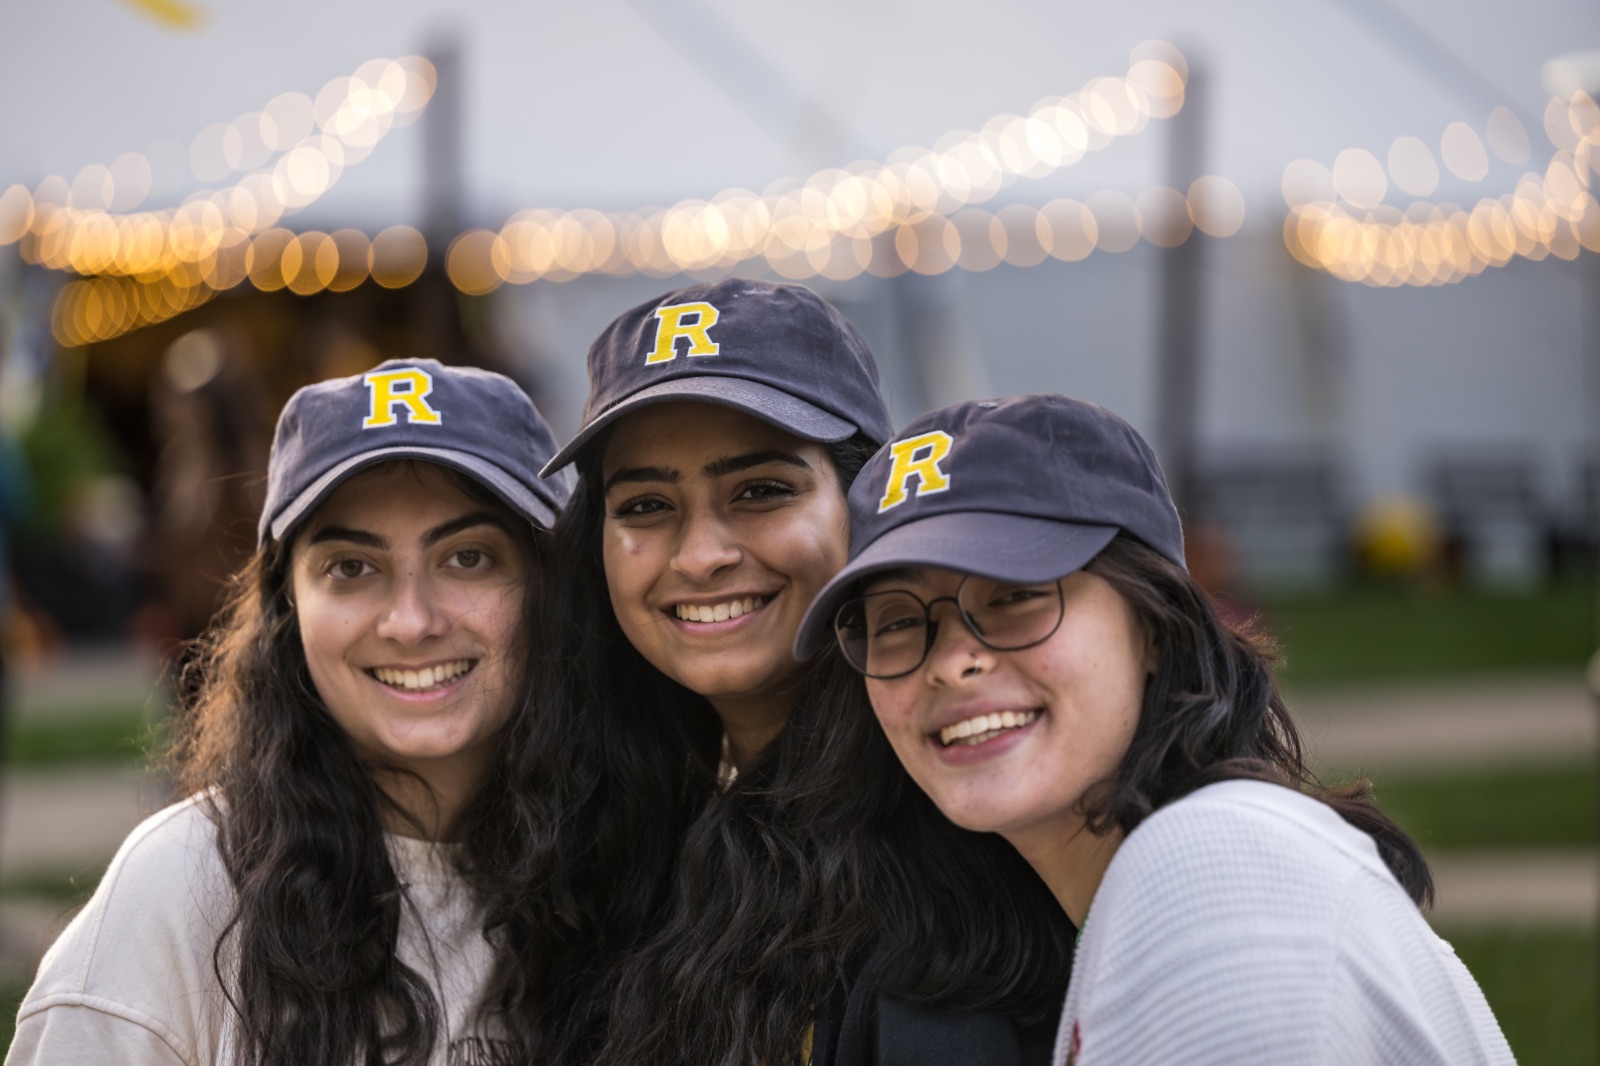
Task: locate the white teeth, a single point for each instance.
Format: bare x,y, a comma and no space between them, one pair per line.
984,727
720,612
426,678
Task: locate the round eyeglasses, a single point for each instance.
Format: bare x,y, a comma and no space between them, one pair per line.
888,634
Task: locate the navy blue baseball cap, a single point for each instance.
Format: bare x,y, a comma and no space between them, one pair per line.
778,352
1025,489
475,421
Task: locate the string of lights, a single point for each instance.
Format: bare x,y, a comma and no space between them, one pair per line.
915,211
1338,221
828,224
146,265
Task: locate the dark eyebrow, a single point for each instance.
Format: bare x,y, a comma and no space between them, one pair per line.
641,473
466,521
735,463
354,536
429,539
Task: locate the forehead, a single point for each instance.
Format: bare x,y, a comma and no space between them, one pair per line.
406,492
687,436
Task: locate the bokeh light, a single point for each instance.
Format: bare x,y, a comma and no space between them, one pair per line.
1020,225
1216,205
1067,230
399,255
16,214
1164,216
265,264
1306,181
1508,138
131,178
354,259
1551,212
828,224
1359,177
1412,168
1463,152
91,226
974,231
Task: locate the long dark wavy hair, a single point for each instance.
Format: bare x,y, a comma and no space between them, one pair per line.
1213,711
307,959
683,924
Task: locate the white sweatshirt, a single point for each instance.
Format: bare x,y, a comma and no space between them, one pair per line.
1247,923
131,980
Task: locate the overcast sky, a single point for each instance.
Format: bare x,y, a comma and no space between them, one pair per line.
624,103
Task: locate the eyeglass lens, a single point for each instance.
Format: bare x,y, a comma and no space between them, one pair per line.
887,634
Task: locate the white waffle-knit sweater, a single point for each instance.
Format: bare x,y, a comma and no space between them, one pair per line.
1247,923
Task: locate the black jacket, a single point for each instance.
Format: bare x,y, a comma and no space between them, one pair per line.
864,1027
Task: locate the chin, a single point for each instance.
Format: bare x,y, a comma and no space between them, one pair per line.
976,813
733,682
423,748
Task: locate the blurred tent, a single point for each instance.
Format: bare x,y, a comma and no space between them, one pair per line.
1371,240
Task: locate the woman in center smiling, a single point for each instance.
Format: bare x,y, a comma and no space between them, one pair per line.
702,889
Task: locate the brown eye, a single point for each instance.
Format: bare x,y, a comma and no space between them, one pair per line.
766,491
469,558
350,568
639,507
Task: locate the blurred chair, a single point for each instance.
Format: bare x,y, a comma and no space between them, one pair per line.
1284,514
1496,528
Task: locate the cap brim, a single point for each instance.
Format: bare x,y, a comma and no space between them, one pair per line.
516,495
1005,547
804,420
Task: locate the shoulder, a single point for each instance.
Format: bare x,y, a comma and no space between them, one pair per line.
167,871
1244,840
1250,923
141,950
1236,893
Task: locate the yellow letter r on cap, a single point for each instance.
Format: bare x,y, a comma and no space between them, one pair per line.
919,455
408,387
670,325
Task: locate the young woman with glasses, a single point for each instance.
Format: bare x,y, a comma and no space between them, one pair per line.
1047,670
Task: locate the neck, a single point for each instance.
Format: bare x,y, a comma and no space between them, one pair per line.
428,800
751,726
1071,861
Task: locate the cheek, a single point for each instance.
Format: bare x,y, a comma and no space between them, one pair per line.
814,550
893,706
628,566
322,649
503,618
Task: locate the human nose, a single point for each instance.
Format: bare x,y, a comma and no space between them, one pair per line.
413,613
704,547
955,655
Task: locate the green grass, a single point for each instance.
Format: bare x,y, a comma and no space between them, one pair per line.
65,891
11,993
70,888
1541,983
1519,806
1390,632
110,735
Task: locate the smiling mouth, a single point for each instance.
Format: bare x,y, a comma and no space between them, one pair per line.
984,727
425,679
720,612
